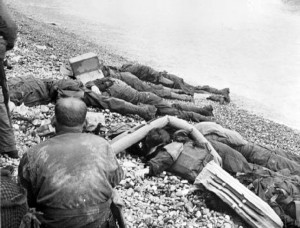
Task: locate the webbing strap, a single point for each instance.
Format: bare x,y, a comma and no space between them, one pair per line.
75,212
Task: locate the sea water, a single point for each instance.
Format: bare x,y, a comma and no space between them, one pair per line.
250,46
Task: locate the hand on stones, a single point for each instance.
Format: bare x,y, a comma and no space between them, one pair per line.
11,106
116,198
95,89
142,173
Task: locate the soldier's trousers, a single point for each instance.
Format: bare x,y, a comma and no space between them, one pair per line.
7,138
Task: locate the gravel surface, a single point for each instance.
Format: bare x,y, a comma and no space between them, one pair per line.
163,201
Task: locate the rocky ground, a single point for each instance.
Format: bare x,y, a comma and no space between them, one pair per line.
42,49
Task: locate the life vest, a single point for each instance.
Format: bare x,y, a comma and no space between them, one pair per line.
189,159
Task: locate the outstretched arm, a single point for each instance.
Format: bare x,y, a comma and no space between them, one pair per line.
161,162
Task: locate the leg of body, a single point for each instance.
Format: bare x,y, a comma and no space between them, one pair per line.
7,138
146,73
206,110
179,83
182,97
224,92
288,155
150,98
166,90
147,112
209,89
167,93
141,85
192,116
166,109
265,157
233,161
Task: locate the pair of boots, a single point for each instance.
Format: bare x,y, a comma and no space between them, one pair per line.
217,98
225,93
221,96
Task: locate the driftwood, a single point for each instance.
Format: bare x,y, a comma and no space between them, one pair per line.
249,206
134,135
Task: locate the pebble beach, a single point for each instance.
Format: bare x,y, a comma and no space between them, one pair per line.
42,49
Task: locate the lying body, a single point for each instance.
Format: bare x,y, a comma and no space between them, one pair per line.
118,89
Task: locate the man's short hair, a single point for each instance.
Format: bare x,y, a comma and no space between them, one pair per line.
70,111
156,137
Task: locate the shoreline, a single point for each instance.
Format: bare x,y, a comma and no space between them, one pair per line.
40,51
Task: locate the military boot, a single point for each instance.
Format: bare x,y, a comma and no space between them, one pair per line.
148,112
164,81
225,93
207,110
217,98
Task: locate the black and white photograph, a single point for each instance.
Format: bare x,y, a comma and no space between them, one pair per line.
150,113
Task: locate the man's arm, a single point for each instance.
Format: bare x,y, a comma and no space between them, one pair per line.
24,180
161,162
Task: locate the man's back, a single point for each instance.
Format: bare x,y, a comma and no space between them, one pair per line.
72,174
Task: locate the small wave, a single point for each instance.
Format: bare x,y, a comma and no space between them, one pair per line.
292,5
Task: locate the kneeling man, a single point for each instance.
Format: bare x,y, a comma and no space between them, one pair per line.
71,177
